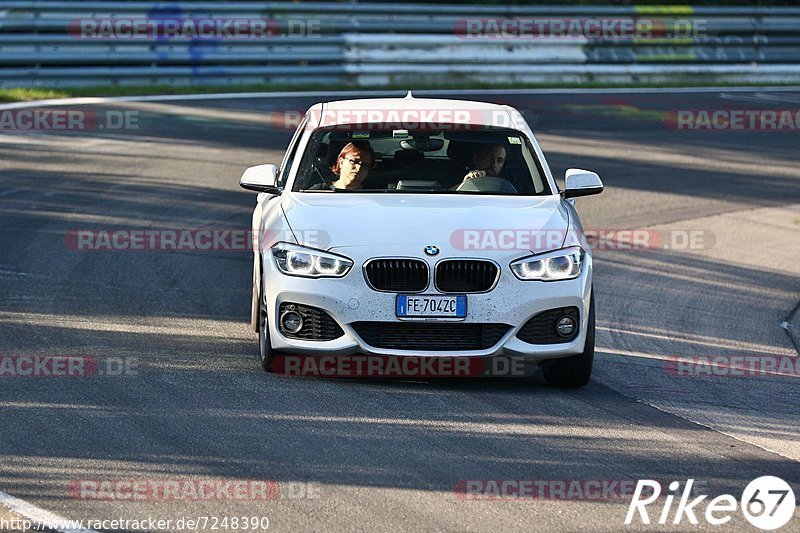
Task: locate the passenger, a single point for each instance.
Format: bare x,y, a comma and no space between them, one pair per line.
351,167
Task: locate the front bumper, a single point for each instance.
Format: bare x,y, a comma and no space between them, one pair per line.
350,299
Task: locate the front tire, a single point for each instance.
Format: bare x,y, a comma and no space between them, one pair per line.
265,352
574,371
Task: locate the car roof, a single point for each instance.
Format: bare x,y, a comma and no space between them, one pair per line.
389,109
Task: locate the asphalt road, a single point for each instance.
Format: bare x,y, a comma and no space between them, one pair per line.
361,455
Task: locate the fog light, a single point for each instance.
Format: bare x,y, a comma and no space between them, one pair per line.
566,326
291,322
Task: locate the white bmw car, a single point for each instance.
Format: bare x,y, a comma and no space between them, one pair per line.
454,242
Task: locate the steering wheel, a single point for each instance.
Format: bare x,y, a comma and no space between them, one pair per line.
487,184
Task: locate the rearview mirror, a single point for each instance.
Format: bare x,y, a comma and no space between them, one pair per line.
423,144
579,182
261,178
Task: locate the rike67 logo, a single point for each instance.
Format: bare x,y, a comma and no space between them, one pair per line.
767,502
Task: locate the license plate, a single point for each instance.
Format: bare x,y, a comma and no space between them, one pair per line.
431,305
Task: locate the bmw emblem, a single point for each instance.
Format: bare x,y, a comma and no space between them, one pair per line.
431,250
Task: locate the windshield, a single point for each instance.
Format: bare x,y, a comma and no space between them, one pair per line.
452,161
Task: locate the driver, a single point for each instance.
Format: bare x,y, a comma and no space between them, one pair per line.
488,160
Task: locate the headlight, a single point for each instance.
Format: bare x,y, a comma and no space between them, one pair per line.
552,266
295,260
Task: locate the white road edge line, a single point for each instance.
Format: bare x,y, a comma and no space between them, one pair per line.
709,427
367,93
39,516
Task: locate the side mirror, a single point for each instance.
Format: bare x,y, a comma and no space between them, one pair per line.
261,178
579,182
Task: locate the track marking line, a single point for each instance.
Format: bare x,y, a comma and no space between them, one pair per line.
40,516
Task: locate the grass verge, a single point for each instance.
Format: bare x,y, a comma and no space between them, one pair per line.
28,94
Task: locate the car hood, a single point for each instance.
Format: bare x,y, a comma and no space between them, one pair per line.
337,220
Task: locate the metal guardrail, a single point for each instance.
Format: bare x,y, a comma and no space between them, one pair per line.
254,7
42,44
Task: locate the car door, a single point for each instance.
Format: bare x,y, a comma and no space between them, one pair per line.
262,204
